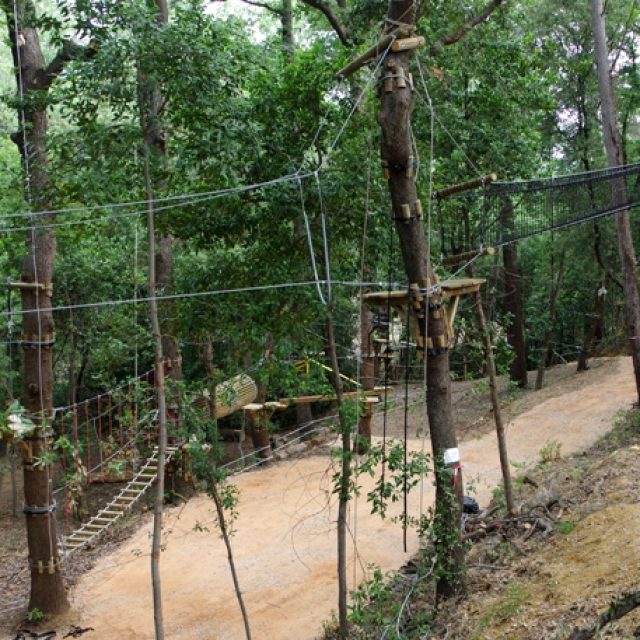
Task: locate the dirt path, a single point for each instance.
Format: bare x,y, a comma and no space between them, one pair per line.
285,539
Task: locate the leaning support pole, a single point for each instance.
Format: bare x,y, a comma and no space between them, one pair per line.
495,402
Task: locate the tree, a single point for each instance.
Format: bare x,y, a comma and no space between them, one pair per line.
615,157
34,78
397,155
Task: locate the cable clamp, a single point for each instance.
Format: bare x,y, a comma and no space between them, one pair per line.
39,511
33,341
50,565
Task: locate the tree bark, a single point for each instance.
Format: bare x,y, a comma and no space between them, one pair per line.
232,565
286,22
345,480
553,312
154,142
396,151
164,284
513,303
47,588
615,157
367,370
495,402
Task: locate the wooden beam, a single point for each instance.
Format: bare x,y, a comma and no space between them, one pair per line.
374,51
327,398
466,186
450,261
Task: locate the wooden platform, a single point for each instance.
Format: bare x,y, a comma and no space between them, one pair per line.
448,288
330,397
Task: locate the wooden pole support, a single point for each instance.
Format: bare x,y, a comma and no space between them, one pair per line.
374,51
450,261
47,288
466,186
405,44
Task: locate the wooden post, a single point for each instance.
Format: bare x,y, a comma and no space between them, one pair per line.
495,402
257,427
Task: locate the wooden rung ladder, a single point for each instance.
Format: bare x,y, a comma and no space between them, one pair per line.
119,506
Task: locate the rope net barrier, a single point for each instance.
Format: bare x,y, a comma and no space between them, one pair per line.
502,213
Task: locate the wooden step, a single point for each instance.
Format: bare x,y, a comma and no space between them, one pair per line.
100,519
108,512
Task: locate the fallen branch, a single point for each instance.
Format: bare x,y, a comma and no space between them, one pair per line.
619,607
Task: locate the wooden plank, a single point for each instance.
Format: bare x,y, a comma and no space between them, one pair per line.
449,288
326,398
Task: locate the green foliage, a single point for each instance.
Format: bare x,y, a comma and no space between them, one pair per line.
566,526
510,605
625,431
35,615
550,452
400,475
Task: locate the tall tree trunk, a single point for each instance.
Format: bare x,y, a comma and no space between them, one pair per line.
154,139
513,302
164,284
286,23
396,151
345,480
553,312
47,588
367,358
615,158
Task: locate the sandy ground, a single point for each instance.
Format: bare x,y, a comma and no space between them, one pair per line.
285,535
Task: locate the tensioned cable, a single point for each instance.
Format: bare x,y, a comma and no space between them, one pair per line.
197,294
325,240
437,119
196,196
193,202
203,196
312,255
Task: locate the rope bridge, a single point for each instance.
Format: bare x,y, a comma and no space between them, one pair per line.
506,212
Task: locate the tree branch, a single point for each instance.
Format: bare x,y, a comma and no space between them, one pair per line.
70,51
263,5
462,31
339,29
619,607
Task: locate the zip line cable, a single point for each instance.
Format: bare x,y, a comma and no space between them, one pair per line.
196,197
196,294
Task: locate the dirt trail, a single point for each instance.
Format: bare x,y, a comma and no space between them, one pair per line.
285,538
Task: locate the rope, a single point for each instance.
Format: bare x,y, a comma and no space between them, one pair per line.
312,256
325,241
437,119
